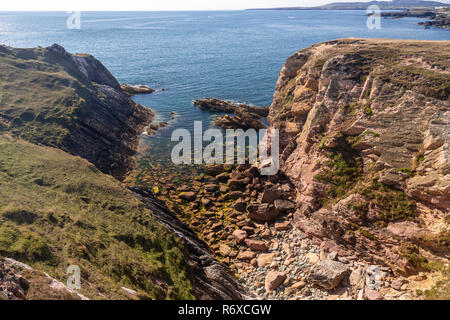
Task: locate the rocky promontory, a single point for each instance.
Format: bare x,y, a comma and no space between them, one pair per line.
359,208
439,17
364,131
72,102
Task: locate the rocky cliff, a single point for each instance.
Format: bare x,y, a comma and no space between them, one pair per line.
69,101
57,209
364,138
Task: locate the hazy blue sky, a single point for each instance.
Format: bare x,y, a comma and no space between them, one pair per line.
64,5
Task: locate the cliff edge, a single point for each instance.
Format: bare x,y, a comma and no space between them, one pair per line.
72,102
365,138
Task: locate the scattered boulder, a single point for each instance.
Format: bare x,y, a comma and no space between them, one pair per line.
328,274
188,196
236,185
211,187
239,235
246,255
256,245
273,280
373,294
283,205
214,170
280,226
312,257
223,177
240,205
269,196
262,212
225,250
264,259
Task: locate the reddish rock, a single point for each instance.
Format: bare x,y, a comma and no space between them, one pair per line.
262,212
280,226
188,196
239,235
246,255
273,280
256,245
373,294
269,196
284,205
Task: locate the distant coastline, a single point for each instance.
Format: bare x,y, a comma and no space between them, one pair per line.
384,5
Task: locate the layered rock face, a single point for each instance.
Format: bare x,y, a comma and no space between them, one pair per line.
70,101
364,136
211,280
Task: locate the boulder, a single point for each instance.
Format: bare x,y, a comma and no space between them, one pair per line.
264,259
188,196
269,196
236,185
214,170
225,250
373,294
262,212
280,226
328,274
284,205
273,280
239,235
246,255
256,245
211,187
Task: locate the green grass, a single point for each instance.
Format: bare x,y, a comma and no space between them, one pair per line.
57,210
40,95
341,172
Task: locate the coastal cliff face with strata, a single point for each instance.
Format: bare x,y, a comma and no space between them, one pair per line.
72,102
364,138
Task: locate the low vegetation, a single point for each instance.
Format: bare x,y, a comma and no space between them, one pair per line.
58,210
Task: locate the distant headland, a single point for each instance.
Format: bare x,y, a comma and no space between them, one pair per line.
384,5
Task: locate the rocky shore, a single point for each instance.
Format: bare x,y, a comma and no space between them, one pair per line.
244,116
439,18
128,246
359,209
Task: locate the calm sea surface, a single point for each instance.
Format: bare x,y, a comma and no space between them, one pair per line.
232,55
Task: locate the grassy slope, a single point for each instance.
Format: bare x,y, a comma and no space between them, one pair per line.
57,210
42,105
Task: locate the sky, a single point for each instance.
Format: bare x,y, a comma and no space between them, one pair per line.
156,5
150,5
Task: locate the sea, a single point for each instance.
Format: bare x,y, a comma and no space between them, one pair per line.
232,55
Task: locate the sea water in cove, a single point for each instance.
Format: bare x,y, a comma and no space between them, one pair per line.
233,55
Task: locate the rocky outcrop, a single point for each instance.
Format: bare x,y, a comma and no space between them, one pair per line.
134,90
244,116
210,279
19,281
364,137
81,107
439,17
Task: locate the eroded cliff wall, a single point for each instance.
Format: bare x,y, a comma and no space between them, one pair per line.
364,135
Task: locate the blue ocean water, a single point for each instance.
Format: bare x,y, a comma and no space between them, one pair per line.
232,55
